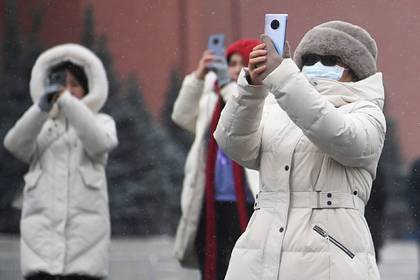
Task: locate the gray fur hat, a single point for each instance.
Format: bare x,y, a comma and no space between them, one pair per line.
351,43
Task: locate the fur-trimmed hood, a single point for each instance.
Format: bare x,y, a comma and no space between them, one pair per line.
351,43
93,67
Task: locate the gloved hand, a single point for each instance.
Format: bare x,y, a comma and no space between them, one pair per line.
47,100
220,67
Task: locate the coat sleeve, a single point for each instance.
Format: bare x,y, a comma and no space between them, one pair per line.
97,133
239,130
21,139
228,91
354,139
186,107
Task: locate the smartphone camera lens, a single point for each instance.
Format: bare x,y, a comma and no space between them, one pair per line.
275,24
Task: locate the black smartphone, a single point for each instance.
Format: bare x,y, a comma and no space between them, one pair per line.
56,80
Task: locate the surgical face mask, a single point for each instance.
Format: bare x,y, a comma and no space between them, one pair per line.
318,70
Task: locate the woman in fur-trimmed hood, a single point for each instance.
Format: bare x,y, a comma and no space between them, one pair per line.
65,224
314,128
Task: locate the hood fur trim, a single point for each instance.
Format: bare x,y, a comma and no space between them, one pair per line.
93,67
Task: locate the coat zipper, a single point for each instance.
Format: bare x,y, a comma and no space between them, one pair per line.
334,241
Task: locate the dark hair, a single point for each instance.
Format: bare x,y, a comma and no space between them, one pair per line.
77,71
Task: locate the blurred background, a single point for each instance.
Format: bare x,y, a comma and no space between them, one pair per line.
147,47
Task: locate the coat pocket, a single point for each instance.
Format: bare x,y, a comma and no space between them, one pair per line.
334,241
92,177
35,196
31,179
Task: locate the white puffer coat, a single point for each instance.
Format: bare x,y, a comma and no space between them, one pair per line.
65,223
193,111
316,145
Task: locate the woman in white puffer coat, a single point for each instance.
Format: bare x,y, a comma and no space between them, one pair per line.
314,128
65,223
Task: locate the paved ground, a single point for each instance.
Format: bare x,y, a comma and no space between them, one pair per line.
151,259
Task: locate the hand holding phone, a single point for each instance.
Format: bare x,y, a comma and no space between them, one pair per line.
275,28
203,65
268,56
264,59
56,81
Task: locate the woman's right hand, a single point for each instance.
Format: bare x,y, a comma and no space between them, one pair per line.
257,64
264,59
203,65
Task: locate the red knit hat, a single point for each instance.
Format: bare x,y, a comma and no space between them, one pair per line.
243,48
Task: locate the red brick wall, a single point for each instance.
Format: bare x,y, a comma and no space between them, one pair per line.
149,37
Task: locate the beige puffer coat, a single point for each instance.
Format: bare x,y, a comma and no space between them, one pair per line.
316,145
65,223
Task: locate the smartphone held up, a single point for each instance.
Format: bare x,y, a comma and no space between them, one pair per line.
216,44
56,81
275,27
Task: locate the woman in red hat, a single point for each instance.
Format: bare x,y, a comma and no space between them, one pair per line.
218,194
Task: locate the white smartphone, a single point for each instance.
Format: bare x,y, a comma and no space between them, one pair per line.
217,44
275,27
